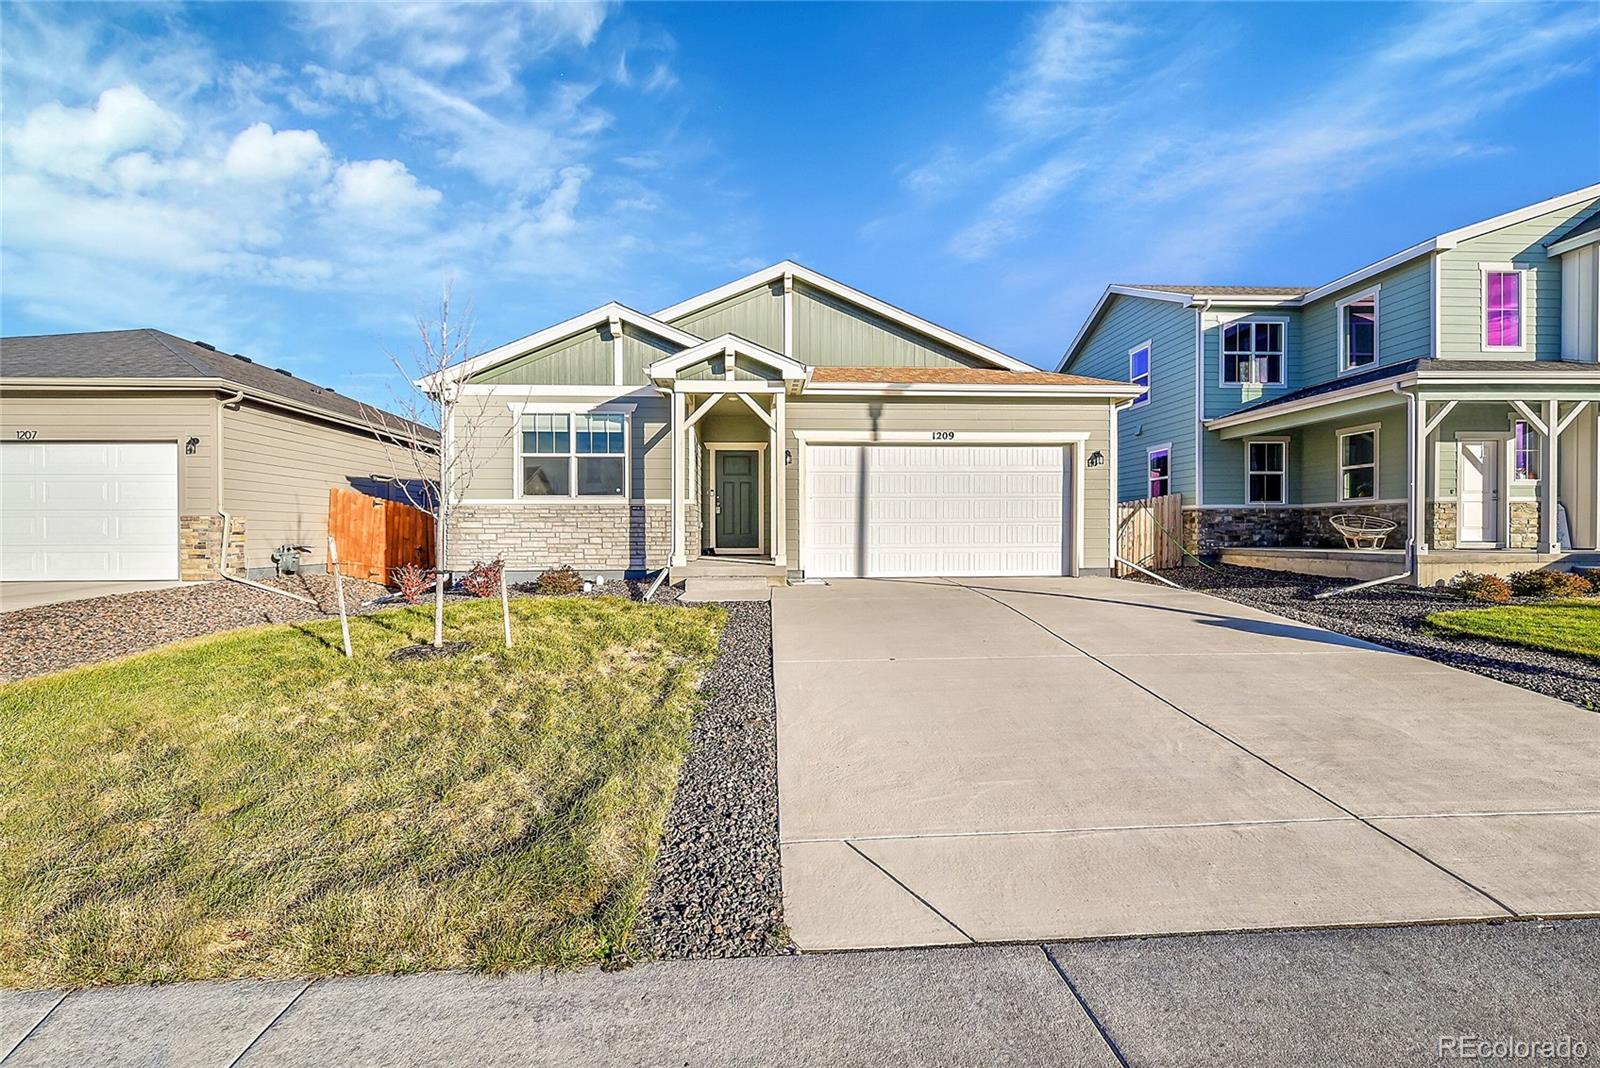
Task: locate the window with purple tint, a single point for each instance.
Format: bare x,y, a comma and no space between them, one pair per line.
1160,480
1502,310
1525,451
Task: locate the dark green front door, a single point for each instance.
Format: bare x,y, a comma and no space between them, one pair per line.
738,500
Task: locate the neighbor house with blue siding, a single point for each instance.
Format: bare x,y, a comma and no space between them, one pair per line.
1451,389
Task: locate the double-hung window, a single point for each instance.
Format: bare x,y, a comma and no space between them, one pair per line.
1269,468
1358,464
1139,372
1358,331
574,455
1504,294
1524,452
1252,354
1159,482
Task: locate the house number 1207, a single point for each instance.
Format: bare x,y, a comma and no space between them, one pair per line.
27,435
944,435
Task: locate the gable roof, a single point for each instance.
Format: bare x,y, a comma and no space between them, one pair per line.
155,356
1294,296
728,345
1585,233
837,289
588,320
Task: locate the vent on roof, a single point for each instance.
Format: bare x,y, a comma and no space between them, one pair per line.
282,372
241,356
205,345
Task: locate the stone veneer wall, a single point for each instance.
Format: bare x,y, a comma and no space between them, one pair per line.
1524,525
200,549
589,537
1291,526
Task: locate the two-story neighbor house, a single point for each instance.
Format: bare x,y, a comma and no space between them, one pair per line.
1451,388
781,424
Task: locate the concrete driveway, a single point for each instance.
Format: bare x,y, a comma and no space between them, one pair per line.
1030,759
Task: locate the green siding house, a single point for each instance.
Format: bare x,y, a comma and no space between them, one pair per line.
1451,389
782,425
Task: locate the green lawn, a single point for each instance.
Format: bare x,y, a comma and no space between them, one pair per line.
253,804
1560,626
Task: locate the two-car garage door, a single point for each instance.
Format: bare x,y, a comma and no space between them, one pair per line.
88,511
882,511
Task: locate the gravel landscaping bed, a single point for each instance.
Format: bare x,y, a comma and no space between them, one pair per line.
1393,616
53,637
716,889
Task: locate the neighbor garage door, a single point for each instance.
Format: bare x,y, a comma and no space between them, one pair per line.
880,511
80,512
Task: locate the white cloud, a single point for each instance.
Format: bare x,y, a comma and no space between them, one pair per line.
1075,50
382,189
77,142
260,154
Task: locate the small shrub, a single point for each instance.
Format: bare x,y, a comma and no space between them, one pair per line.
484,578
413,581
1592,574
559,581
1550,584
1490,589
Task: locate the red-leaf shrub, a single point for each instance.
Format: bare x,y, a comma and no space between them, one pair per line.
484,578
1490,589
414,582
1550,584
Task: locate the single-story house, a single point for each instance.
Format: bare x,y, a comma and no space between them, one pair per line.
784,420
134,455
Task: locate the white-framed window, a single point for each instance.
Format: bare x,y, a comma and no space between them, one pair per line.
1253,352
1358,463
1267,475
1505,307
1358,331
1158,480
573,454
1139,372
1524,452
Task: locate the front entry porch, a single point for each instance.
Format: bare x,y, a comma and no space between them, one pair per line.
1433,567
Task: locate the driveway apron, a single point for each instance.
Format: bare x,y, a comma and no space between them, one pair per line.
1026,759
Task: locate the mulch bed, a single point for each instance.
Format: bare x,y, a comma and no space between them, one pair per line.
716,890
1393,616
38,641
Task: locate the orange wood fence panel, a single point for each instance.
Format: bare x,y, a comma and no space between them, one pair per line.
376,536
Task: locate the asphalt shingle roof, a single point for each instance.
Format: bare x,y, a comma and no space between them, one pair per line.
1224,291
1424,367
1588,226
965,376
155,354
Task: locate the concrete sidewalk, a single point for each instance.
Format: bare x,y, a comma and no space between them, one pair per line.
1363,997
1030,759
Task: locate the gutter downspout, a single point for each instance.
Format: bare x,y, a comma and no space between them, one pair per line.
1413,505
672,525
227,518
1200,401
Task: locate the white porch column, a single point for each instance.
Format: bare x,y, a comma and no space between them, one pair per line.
679,557
1549,479
1417,442
779,488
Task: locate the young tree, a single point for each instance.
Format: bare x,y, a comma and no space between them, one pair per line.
446,437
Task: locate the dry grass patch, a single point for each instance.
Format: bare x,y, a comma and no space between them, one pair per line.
253,804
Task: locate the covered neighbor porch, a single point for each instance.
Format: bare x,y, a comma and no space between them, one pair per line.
1488,469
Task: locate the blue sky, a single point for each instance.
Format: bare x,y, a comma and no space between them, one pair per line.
294,181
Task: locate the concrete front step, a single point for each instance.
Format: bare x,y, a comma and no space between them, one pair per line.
698,590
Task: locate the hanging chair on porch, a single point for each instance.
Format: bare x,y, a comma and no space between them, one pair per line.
1363,531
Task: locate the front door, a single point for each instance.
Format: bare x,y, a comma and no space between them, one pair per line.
1478,493
738,501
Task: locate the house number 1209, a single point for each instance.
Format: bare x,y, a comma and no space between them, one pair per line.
944,435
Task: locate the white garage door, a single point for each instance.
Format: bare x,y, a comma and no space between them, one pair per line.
935,510
81,512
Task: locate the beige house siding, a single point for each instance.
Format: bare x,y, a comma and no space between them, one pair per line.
969,416
278,468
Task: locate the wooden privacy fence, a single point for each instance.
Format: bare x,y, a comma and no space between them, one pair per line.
1150,533
375,536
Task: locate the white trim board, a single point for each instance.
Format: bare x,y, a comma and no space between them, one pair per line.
960,437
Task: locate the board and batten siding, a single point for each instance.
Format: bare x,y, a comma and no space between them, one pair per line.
1169,417
1580,304
71,415
755,315
834,333
277,470
1522,245
969,416
585,359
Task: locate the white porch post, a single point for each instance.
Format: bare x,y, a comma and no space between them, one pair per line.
679,557
1549,480
1417,437
779,489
